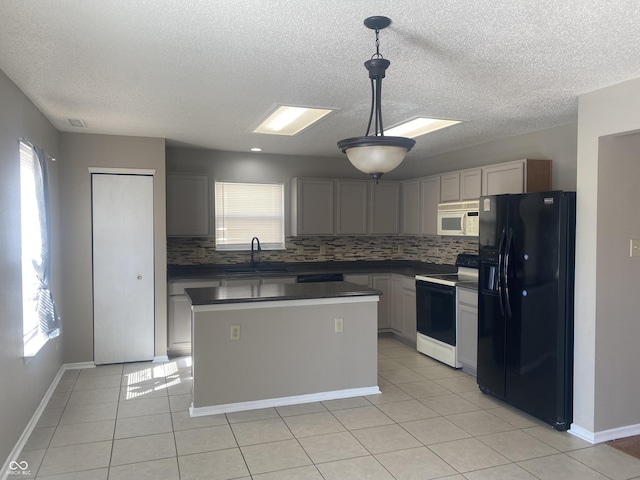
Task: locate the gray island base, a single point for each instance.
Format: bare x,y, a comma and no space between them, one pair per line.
274,345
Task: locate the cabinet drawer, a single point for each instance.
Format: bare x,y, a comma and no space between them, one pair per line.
468,297
177,287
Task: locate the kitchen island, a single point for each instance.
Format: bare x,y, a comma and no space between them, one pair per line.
260,346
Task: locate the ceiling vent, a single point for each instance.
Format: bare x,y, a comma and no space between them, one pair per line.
76,122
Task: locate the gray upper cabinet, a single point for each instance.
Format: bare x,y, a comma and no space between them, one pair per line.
429,199
504,178
188,205
410,207
312,211
450,187
462,185
471,184
384,208
352,207
520,176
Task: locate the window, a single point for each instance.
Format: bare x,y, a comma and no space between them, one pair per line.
247,210
40,320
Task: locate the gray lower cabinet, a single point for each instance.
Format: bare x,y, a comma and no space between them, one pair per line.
403,307
179,308
468,329
382,282
179,315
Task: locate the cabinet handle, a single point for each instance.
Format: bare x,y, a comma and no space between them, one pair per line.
139,277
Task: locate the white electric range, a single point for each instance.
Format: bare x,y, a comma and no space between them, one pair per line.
436,309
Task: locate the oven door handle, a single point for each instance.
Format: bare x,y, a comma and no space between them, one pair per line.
503,238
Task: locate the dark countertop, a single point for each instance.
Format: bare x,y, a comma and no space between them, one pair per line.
282,269
272,292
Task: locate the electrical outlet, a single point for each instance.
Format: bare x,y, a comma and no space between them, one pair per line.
300,249
201,252
339,325
323,249
235,332
400,249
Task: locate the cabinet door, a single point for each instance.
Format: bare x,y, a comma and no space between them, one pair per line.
312,207
384,208
409,322
351,213
410,207
430,197
187,205
468,337
383,283
470,184
396,313
179,324
503,178
450,187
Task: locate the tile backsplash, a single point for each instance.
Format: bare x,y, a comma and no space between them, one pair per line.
432,249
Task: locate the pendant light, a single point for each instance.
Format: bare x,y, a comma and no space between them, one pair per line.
376,154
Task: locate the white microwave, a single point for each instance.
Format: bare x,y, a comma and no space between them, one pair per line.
459,218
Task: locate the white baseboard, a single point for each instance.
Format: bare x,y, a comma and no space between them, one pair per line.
282,401
160,359
17,449
604,435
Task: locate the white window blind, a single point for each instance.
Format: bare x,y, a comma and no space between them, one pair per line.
247,210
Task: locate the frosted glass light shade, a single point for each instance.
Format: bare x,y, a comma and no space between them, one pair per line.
377,158
376,155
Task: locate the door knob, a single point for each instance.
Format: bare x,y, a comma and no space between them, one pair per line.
139,277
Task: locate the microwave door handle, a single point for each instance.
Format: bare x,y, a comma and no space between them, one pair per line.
463,223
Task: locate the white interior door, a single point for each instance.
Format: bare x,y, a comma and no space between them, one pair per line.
123,285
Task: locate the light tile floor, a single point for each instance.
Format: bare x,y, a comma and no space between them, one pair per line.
131,421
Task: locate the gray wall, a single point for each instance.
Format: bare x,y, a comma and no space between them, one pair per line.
557,144
24,381
606,360
618,328
81,151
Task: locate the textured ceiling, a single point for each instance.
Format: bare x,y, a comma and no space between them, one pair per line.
203,73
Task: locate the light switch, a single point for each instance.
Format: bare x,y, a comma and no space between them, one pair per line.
635,248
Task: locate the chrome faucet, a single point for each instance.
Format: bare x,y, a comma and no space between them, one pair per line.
254,239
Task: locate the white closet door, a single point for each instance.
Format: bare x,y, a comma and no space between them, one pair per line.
123,285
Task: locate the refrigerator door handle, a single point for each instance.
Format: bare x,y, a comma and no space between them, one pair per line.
500,269
505,272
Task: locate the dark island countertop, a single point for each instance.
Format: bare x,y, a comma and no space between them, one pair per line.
273,292
273,269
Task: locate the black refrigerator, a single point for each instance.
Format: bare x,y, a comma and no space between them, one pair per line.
525,302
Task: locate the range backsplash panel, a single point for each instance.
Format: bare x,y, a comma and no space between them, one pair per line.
432,249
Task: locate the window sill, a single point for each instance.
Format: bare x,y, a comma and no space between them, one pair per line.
34,345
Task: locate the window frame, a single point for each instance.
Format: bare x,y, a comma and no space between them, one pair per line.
265,244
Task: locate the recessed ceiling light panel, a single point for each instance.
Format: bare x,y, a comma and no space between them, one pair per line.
289,120
419,126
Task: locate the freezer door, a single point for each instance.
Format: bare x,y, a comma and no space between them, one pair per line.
532,261
491,313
